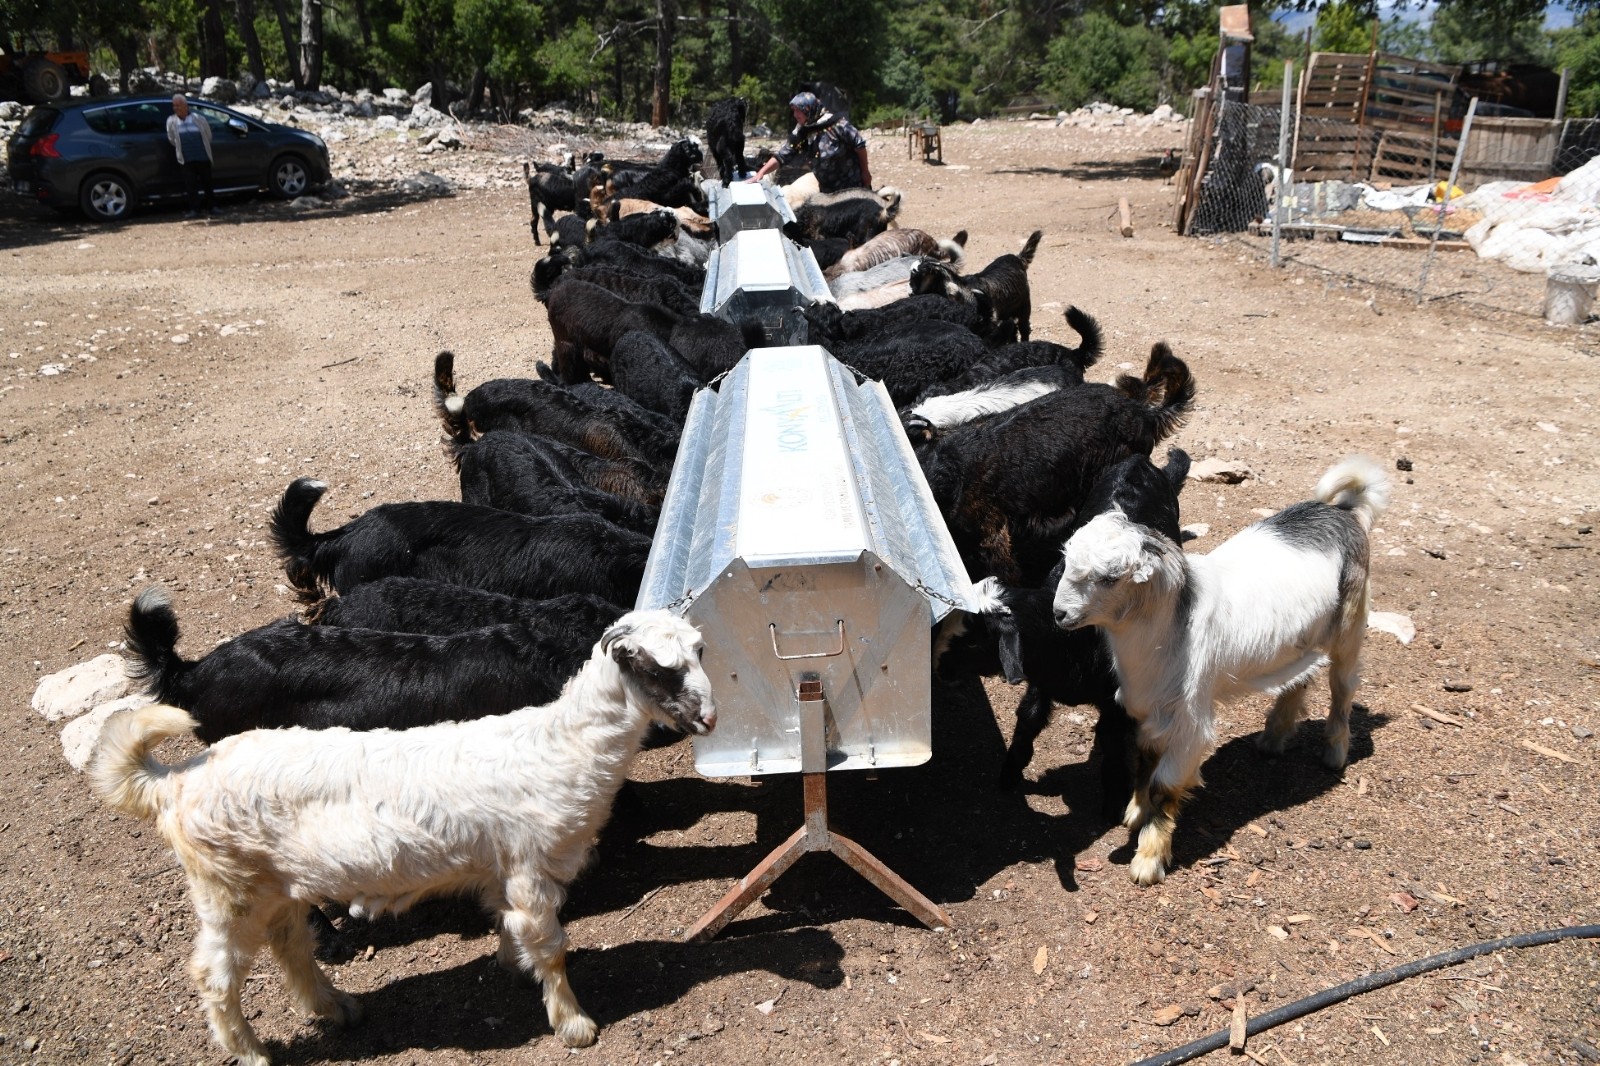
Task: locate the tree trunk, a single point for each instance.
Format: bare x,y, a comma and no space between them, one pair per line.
126,45
661,96
735,47
291,46
244,13
480,81
213,41
311,44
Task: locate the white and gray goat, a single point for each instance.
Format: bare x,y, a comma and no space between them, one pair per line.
1261,613
268,822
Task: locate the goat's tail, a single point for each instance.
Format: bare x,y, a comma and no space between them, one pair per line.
1356,484
1031,246
124,773
292,536
1177,469
954,251
151,633
1167,388
448,402
1087,353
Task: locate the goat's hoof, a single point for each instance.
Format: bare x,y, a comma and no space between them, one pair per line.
1334,756
1133,814
578,1031
253,1057
1267,744
345,1009
1147,870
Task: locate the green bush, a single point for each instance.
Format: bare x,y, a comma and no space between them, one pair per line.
1094,58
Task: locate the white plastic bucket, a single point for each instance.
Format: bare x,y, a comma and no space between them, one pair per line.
1569,294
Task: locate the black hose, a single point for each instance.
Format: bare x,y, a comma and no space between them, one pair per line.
1337,994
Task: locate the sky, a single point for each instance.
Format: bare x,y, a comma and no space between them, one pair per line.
1556,15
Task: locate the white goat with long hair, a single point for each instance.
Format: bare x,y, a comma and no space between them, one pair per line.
267,823
1261,613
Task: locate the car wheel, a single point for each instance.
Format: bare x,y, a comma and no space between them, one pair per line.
45,81
288,177
106,197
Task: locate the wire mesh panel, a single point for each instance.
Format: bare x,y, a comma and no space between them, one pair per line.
1495,210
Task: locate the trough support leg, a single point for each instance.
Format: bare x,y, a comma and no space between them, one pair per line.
815,835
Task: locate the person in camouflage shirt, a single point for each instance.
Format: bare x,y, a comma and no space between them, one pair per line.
835,149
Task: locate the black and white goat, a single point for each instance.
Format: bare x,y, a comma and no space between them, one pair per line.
1011,485
456,542
1015,636
506,808
1004,282
725,135
1003,379
1262,612
321,676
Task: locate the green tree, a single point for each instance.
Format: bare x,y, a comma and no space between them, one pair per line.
1344,26
1577,48
1097,59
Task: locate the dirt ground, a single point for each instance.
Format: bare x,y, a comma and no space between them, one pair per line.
164,381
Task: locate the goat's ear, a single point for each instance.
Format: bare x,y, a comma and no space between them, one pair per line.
621,643
1144,567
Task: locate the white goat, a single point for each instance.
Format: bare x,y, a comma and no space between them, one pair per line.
1261,613
268,822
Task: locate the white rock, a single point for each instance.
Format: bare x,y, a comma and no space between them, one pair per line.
1400,626
72,691
395,96
1197,529
423,95
387,122
1225,471
221,90
81,736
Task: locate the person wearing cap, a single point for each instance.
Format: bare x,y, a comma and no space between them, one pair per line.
191,140
835,149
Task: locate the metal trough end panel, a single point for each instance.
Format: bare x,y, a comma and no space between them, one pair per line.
789,538
761,276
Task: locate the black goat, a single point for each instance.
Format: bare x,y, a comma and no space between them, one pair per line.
670,183
646,229
646,369
459,543
1004,282
549,191
725,135
1009,486
587,321
288,674
513,472
659,289
1021,355
597,420
856,219
1016,636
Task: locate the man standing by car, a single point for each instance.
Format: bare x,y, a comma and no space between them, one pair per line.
191,139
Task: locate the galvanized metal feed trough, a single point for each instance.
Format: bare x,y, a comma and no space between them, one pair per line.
745,205
800,536
760,276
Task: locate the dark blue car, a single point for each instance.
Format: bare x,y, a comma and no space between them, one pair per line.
106,156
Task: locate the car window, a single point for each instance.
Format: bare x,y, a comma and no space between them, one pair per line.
129,118
39,120
217,119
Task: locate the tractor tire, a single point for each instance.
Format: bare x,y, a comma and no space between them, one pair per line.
44,81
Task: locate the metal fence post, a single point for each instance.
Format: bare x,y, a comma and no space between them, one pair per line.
1444,201
1280,198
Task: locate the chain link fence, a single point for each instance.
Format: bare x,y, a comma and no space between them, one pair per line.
1499,212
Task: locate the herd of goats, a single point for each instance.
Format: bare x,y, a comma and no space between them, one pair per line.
463,696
